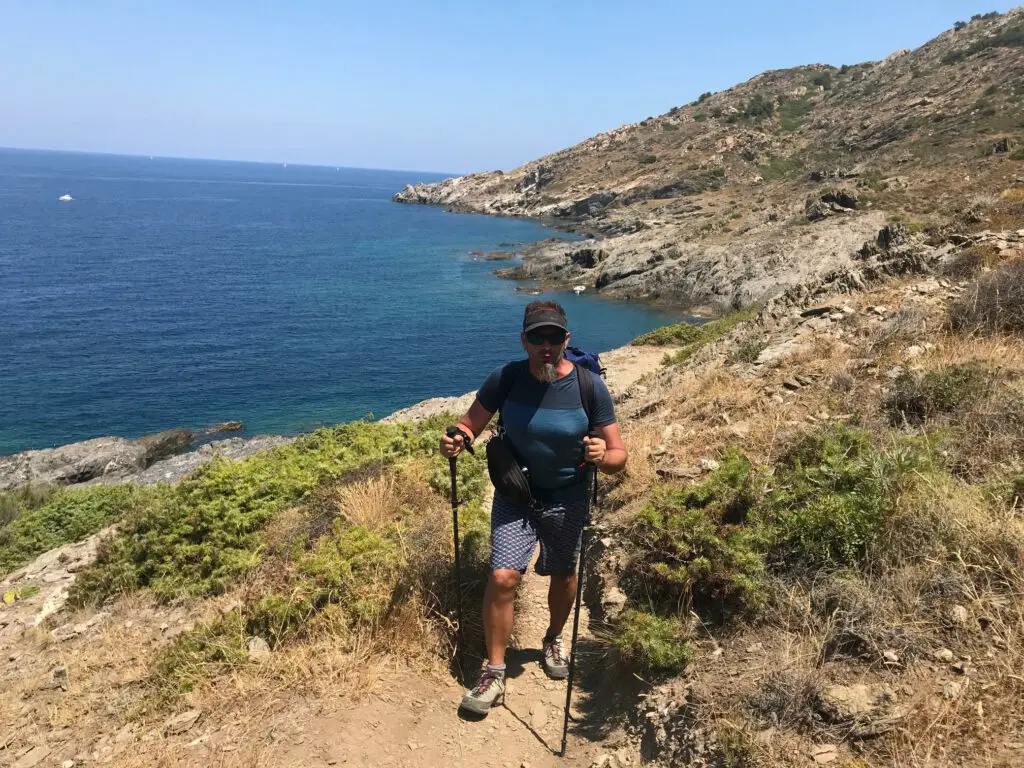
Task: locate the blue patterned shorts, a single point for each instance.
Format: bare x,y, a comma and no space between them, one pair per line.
557,524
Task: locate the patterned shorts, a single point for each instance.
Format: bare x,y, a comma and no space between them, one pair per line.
557,524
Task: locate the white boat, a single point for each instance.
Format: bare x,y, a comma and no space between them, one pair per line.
579,289
65,198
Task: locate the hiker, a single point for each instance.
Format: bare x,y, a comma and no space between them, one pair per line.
546,422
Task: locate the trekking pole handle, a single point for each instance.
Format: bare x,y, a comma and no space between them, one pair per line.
453,430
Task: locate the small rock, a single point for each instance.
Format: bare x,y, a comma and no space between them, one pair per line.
805,381
661,450
879,310
33,757
538,716
257,649
914,351
889,656
740,429
961,667
60,678
755,648
183,722
959,615
792,384
951,690
710,465
944,655
825,753
68,764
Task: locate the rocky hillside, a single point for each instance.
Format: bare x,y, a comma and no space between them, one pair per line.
732,198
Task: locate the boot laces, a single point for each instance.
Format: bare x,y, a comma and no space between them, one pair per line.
557,651
486,680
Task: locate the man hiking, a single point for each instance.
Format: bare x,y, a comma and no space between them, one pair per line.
547,424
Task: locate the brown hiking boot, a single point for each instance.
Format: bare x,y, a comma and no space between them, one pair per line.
488,692
556,661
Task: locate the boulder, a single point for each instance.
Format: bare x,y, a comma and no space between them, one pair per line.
90,459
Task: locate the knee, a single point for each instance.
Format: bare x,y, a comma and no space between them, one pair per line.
505,580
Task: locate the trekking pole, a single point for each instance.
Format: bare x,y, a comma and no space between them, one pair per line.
584,540
452,432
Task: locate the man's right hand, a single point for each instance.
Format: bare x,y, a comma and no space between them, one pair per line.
452,446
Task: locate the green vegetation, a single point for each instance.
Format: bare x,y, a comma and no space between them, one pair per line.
669,127
656,644
647,159
693,337
779,167
198,537
995,303
759,108
704,96
834,494
947,391
960,25
697,547
748,352
700,117
43,520
793,112
823,79
1011,36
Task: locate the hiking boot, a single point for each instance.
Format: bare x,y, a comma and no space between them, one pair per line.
488,692
556,662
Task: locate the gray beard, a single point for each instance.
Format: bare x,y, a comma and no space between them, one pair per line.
549,372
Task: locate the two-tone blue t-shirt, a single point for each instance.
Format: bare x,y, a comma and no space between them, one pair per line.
546,423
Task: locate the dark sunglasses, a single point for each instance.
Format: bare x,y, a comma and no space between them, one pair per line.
552,337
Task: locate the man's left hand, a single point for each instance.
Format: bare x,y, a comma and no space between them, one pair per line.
593,450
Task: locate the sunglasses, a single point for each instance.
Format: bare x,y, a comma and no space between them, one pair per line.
555,338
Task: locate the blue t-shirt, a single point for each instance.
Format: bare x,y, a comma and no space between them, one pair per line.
546,423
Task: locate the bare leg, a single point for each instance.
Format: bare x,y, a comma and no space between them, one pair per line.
561,595
499,612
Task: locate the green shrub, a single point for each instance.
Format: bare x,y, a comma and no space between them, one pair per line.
781,167
960,25
694,546
197,537
694,337
834,493
748,352
700,117
823,79
15,503
669,127
647,159
759,108
50,520
656,644
704,96
946,392
792,113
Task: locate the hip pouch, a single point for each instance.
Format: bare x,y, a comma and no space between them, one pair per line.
507,475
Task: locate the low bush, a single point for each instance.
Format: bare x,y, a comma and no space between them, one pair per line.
950,391
710,332
655,643
834,494
51,519
748,352
994,304
198,537
647,159
759,108
15,503
695,547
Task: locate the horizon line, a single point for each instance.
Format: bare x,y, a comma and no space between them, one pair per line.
3,148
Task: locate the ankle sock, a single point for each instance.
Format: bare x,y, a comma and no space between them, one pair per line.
499,668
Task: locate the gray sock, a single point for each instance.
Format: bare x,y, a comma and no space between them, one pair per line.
499,668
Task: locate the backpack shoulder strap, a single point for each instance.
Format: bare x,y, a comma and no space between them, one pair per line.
583,376
508,379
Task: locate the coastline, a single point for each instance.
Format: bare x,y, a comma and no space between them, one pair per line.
166,458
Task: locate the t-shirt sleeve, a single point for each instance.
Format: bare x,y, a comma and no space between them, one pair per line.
489,393
604,409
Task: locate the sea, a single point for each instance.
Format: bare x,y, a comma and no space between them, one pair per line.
184,293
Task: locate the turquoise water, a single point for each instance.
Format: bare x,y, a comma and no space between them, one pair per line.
184,293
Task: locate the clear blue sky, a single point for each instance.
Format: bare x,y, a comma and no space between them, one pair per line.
409,84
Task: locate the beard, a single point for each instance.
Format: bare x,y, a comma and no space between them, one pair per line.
549,372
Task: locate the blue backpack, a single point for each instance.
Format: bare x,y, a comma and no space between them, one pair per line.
588,360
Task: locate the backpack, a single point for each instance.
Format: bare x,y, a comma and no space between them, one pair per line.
588,360
504,468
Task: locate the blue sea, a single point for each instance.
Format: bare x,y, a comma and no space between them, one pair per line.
174,292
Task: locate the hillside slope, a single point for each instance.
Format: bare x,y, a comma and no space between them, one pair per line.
720,202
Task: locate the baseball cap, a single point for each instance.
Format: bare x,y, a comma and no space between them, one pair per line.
541,314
